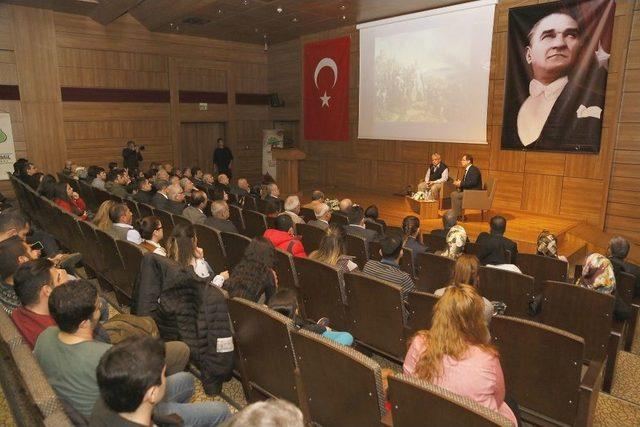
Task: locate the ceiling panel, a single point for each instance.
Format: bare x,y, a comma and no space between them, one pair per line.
248,20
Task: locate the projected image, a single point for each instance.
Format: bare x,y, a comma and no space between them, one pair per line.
558,61
413,83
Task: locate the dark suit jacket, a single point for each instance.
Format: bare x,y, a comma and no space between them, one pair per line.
131,158
160,202
416,248
472,180
620,265
440,232
143,197
175,208
563,130
319,224
492,247
369,235
221,224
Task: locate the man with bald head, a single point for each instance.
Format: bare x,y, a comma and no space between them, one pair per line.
242,188
560,113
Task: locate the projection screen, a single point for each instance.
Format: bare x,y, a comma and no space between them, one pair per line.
425,76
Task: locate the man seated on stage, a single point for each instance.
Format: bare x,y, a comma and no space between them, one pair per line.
437,175
471,180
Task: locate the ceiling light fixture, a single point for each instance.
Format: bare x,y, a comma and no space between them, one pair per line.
219,11
342,7
294,19
344,17
279,9
245,2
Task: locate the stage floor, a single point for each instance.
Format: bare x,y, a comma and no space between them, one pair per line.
522,227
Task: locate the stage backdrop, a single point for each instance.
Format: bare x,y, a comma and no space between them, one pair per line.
7,149
558,58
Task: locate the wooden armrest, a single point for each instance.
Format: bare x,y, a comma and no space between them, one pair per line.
590,387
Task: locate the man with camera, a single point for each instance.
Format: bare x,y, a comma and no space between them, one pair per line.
132,156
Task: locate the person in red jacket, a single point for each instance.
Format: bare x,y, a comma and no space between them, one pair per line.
283,238
69,201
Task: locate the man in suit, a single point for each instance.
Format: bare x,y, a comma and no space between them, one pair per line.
471,180
160,200
144,193
449,219
176,199
117,180
219,218
195,211
323,216
242,188
493,244
437,174
559,113
618,251
223,183
356,225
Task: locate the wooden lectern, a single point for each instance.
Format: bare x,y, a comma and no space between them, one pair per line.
287,169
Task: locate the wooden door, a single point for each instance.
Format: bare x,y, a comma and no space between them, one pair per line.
197,143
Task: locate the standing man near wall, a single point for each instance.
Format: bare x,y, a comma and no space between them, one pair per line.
222,158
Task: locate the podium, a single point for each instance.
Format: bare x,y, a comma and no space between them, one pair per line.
287,167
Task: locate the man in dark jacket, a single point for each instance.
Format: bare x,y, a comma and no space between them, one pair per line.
471,180
219,218
618,251
131,157
144,193
160,200
356,225
493,245
222,158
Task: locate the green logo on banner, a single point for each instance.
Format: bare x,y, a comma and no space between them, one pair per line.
3,136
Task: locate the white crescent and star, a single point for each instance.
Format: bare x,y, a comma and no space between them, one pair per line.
330,63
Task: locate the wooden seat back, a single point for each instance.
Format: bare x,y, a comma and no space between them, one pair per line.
514,289
311,236
234,247
357,247
542,268
210,241
433,271
376,322
434,242
420,311
255,223
323,364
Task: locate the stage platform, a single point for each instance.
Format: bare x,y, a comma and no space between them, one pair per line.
522,227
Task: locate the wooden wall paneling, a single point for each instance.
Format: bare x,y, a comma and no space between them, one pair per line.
174,108
36,62
628,197
107,11
582,198
504,160
509,189
544,163
542,193
6,27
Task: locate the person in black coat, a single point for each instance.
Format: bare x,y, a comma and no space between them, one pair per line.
222,158
219,218
618,251
143,193
493,245
471,180
160,200
131,157
356,226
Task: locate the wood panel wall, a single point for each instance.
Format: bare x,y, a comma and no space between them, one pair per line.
76,52
549,183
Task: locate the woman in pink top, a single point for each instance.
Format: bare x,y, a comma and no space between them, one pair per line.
455,353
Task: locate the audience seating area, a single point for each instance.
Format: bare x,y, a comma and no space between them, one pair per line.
557,364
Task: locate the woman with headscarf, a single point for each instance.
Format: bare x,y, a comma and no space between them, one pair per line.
456,239
547,245
597,274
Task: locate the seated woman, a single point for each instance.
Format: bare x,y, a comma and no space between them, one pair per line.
150,229
285,302
253,278
597,274
371,214
412,238
466,272
456,239
70,201
333,250
182,247
101,218
547,245
456,353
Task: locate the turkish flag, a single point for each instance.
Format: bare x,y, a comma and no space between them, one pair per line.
326,90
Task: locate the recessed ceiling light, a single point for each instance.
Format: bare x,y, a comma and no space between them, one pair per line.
245,2
279,9
219,11
294,19
344,17
255,29
342,7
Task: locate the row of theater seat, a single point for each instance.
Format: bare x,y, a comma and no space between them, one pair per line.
379,325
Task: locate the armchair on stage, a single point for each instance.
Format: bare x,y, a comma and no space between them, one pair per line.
480,199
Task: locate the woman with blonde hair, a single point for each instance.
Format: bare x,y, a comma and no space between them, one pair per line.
456,353
332,250
456,239
101,219
466,272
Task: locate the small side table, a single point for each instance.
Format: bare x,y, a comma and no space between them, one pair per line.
424,209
